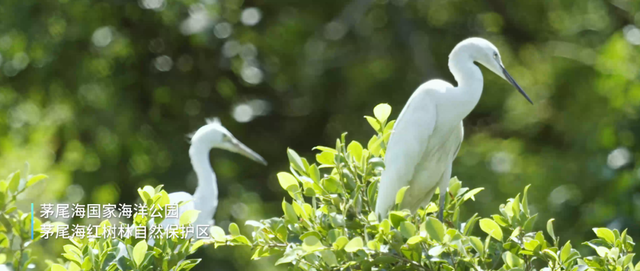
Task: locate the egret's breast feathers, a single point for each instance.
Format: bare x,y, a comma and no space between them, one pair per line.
406,146
433,168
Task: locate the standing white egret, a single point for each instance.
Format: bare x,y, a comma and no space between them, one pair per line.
428,133
205,198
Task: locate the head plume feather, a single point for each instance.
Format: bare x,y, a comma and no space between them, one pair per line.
189,136
212,120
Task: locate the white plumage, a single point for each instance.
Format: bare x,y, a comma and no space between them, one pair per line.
428,133
205,198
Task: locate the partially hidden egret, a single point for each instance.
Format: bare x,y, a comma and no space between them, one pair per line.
428,133
205,198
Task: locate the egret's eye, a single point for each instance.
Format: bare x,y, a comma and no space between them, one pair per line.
495,55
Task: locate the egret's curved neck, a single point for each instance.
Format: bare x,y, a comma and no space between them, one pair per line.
469,78
206,195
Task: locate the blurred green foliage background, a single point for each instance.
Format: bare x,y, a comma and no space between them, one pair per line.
99,94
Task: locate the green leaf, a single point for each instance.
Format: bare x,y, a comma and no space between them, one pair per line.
196,245
4,240
57,267
516,206
329,257
385,226
295,161
14,182
340,243
602,251
550,254
289,256
282,233
314,173
288,181
374,145
476,243
217,234
312,243
332,185
234,229
454,186
139,251
163,198
36,179
325,158
150,190
373,122
565,252
472,193
414,240
436,250
492,228
407,229
627,259
289,212
397,217
371,195
550,229
511,259
73,250
389,127
525,202
382,112
435,229
531,244
188,217
515,233
528,225
355,149
400,194
325,149
605,234
354,245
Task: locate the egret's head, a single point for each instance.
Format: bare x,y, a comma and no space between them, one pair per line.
485,53
214,135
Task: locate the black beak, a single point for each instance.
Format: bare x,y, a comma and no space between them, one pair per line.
513,82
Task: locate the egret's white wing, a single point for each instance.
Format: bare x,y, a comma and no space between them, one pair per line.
176,198
406,146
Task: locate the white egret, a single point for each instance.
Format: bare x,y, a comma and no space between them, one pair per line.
205,198
428,133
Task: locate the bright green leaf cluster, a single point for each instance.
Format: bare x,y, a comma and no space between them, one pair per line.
135,254
15,225
330,224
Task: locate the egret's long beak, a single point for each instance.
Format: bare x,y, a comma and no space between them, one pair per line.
513,82
249,153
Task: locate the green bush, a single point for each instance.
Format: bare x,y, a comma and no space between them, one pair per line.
15,226
330,224
138,254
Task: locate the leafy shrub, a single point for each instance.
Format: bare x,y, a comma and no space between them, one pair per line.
15,225
134,253
329,224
